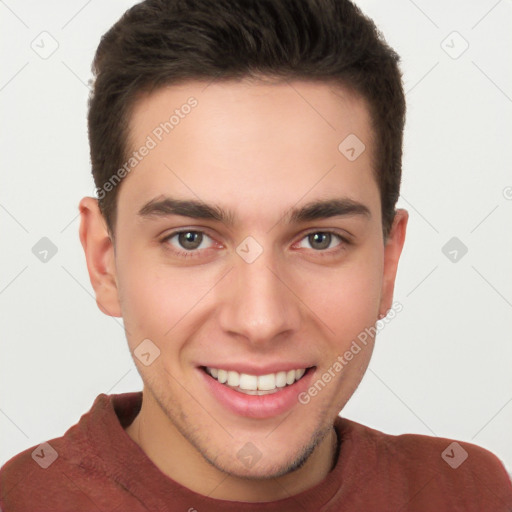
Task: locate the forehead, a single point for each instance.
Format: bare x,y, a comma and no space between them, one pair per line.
261,145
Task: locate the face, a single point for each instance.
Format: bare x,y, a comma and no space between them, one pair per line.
248,246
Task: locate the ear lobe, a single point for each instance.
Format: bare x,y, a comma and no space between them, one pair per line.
392,251
99,254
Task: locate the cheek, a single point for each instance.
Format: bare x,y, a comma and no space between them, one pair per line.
144,295
155,297
346,298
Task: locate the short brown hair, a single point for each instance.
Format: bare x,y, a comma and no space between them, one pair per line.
163,42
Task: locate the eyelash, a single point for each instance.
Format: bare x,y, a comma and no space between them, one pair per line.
344,242
184,253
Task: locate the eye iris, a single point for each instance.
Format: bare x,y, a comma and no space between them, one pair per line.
320,240
190,239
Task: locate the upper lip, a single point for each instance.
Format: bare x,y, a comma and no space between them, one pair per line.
253,369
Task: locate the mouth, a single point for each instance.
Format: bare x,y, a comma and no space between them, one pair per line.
257,396
256,384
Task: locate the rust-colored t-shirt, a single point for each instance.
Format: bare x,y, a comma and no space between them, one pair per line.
96,466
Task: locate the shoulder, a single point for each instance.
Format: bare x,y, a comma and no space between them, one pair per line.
43,474
435,468
67,472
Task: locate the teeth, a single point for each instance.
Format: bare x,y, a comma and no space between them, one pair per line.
253,384
281,379
258,392
248,381
267,382
222,376
233,379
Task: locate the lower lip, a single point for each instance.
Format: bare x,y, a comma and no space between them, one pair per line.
258,406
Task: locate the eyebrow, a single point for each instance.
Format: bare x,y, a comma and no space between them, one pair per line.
187,208
315,210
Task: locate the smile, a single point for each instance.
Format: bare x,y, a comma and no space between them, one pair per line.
256,384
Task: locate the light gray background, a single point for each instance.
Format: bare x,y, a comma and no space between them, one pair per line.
441,367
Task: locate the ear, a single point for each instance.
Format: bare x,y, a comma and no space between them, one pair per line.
99,253
392,251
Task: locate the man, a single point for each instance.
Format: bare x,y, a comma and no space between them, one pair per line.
247,159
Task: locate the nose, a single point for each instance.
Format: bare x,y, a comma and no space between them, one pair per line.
259,304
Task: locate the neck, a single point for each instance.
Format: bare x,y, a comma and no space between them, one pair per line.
178,459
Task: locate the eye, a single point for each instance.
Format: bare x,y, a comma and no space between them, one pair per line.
189,240
321,240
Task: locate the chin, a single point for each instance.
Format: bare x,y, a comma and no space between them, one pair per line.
261,470
251,464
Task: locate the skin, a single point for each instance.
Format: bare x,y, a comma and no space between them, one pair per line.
255,150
